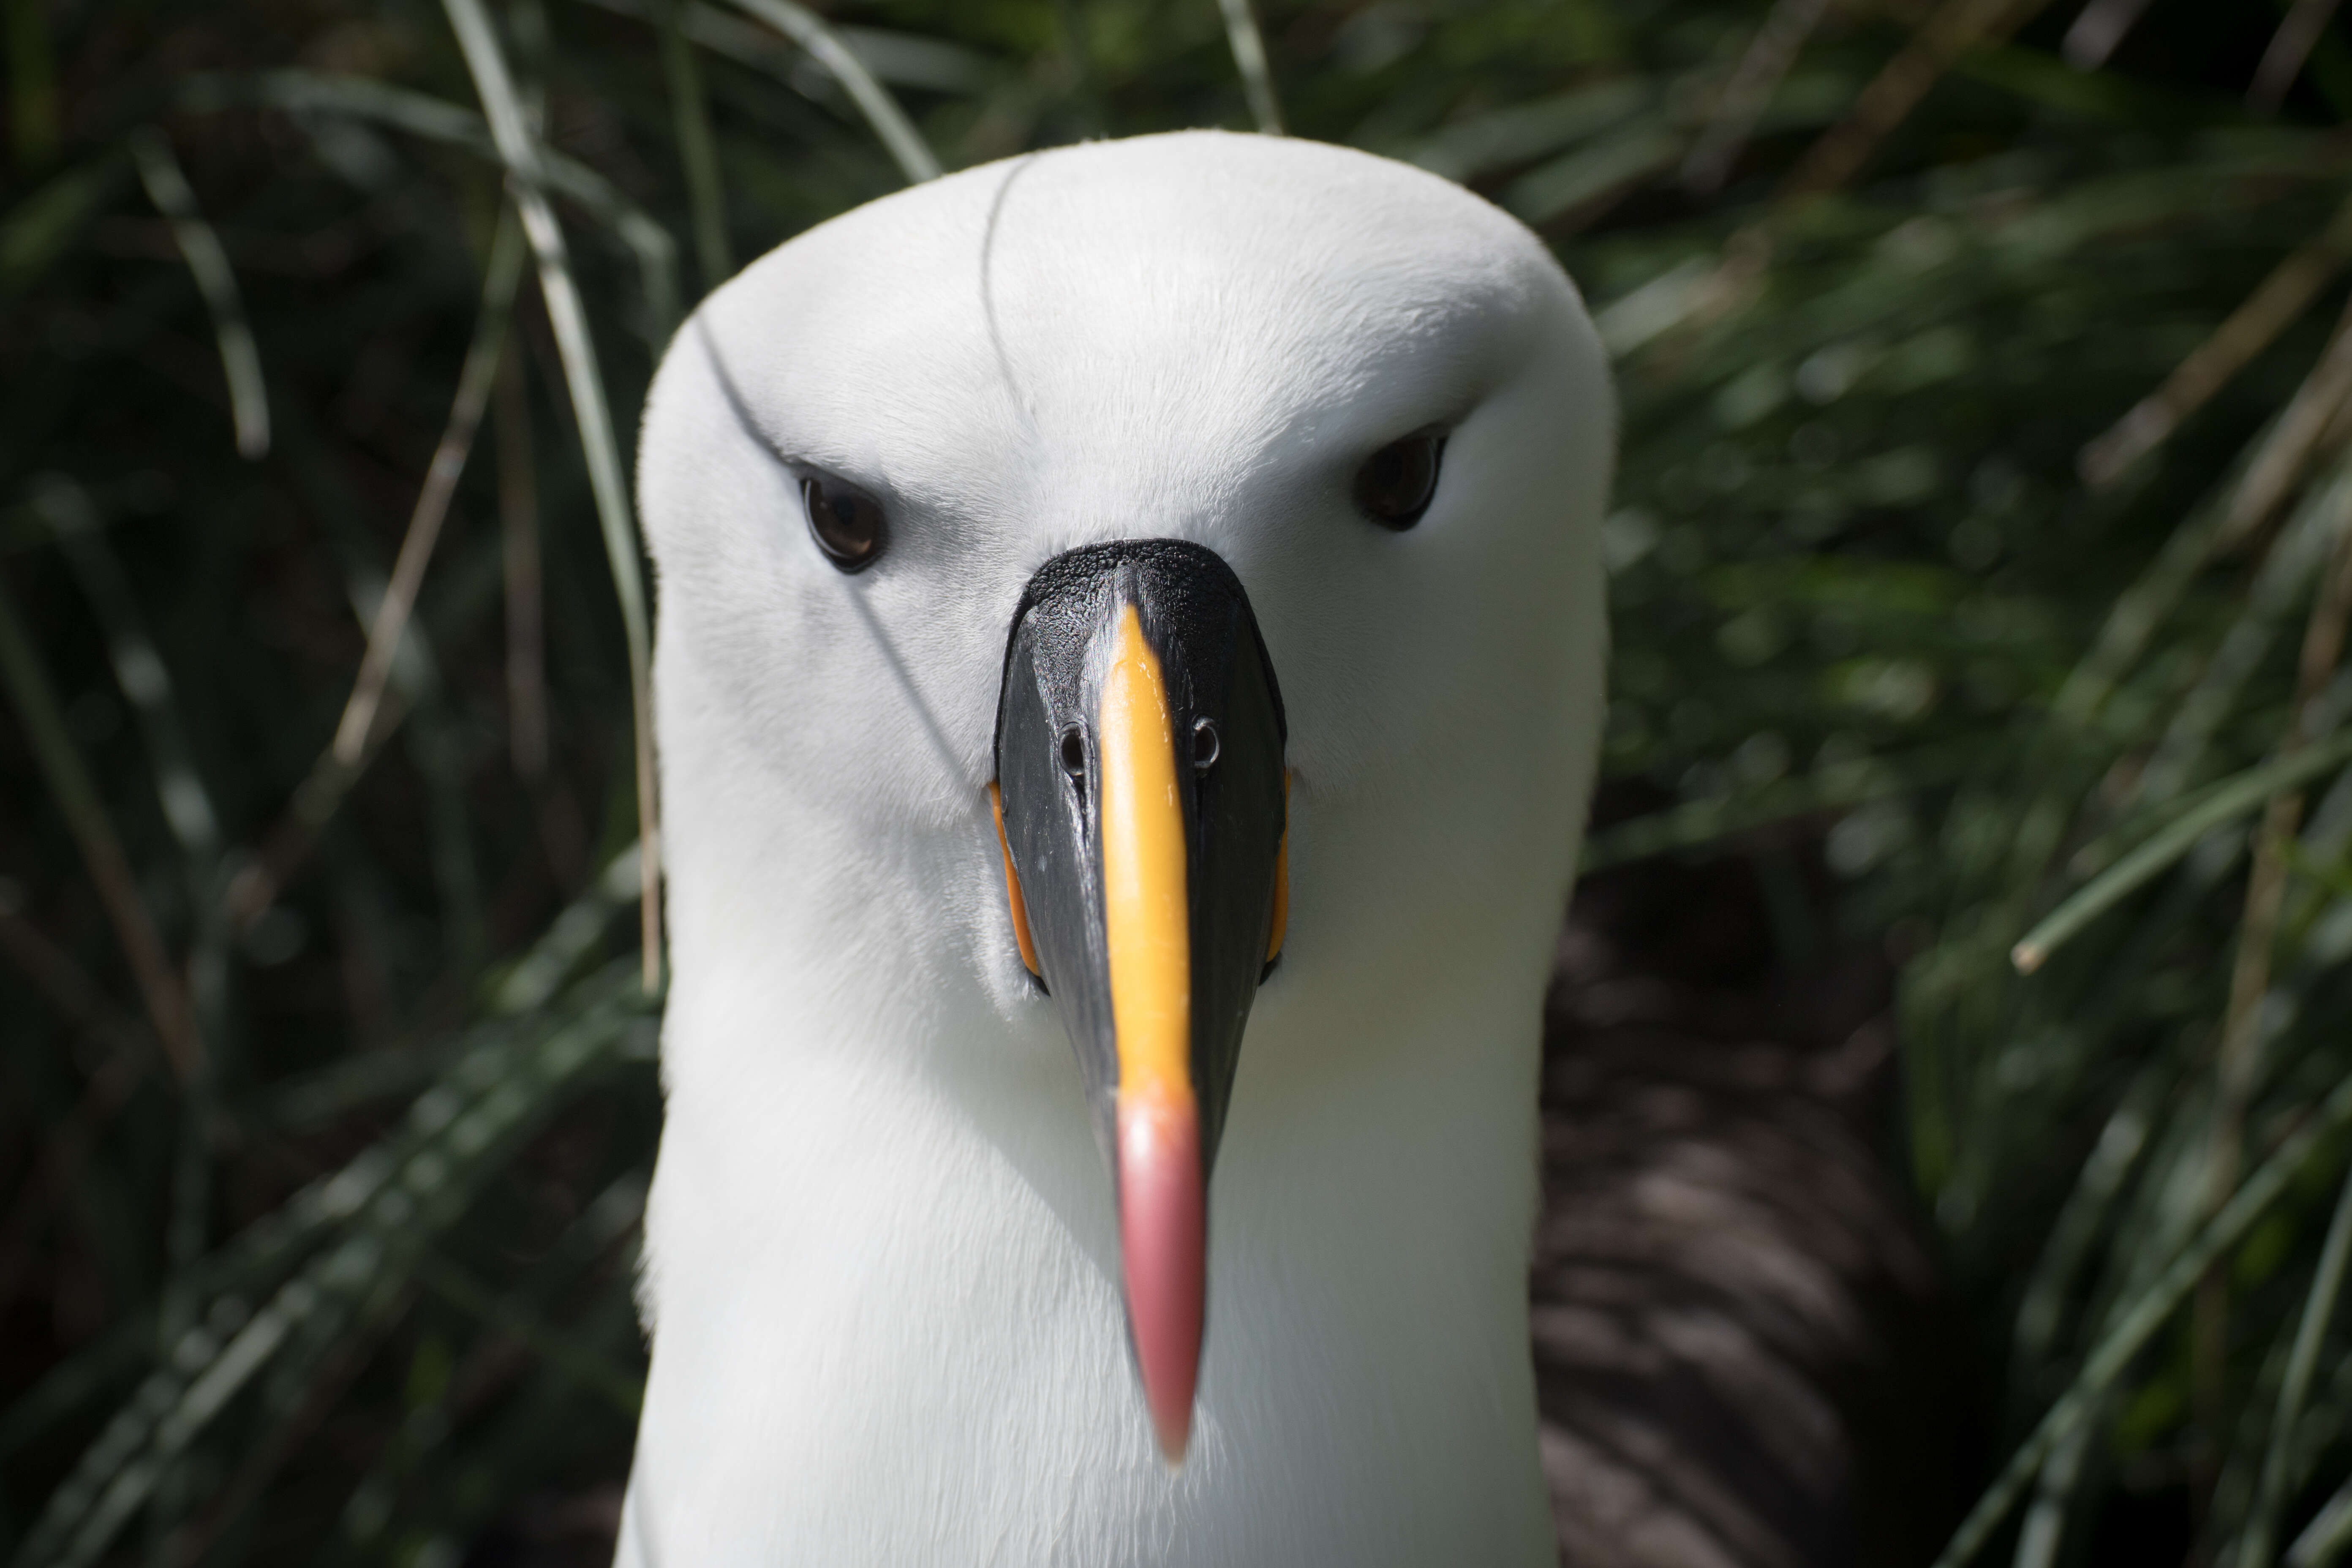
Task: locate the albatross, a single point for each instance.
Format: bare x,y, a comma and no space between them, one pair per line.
1128,679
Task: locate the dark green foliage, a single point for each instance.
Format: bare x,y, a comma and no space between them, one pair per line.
328,1100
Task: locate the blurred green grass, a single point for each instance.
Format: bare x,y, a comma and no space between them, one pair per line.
329,1097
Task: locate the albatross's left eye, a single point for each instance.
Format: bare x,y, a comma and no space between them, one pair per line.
1394,486
847,523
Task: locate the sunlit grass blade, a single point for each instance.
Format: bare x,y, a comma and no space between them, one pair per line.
503,272
2283,295
413,686
2045,1522
535,977
168,188
1248,47
569,318
432,744
806,28
2328,1535
2211,808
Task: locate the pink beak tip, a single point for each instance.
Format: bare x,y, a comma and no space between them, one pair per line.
1163,1239
1175,1431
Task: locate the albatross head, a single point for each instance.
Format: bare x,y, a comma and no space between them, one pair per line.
1144,594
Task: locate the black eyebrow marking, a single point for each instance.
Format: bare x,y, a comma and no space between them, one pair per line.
734,395
988,285
899,671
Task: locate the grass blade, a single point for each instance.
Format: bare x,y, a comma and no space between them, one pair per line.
1761,68
898,133
1249,57
1694,824
2219,803
697,152
569,318
146,681
39,228
2327,1536
526,658
2137,1325
168,188
76,793
557,1350
483,355
140,672
437,120
389,1203
413,684
2086,1214
2290,47
2318,1306
2274,304
2293,563
32,85
1949,31
2294,441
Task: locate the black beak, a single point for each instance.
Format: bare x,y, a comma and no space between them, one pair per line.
1142,805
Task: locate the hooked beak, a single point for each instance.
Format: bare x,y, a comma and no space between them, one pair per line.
1141,806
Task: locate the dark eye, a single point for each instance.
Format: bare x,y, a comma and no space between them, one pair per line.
1394,486
847,523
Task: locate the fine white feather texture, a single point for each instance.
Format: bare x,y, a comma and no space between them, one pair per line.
882,1265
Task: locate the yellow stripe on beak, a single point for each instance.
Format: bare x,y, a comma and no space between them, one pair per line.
1146,918
1147,927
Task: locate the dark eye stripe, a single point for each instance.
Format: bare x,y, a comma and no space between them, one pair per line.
846,523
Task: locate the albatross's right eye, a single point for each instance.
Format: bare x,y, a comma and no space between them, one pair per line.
1396,483
847,523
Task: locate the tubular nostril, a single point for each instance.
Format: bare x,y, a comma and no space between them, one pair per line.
1073,754
1204,745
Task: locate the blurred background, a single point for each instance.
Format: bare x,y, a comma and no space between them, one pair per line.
1970,887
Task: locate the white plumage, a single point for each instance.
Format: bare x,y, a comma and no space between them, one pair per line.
883,1258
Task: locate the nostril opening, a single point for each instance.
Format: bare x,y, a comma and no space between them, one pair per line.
1204,745
1073,753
